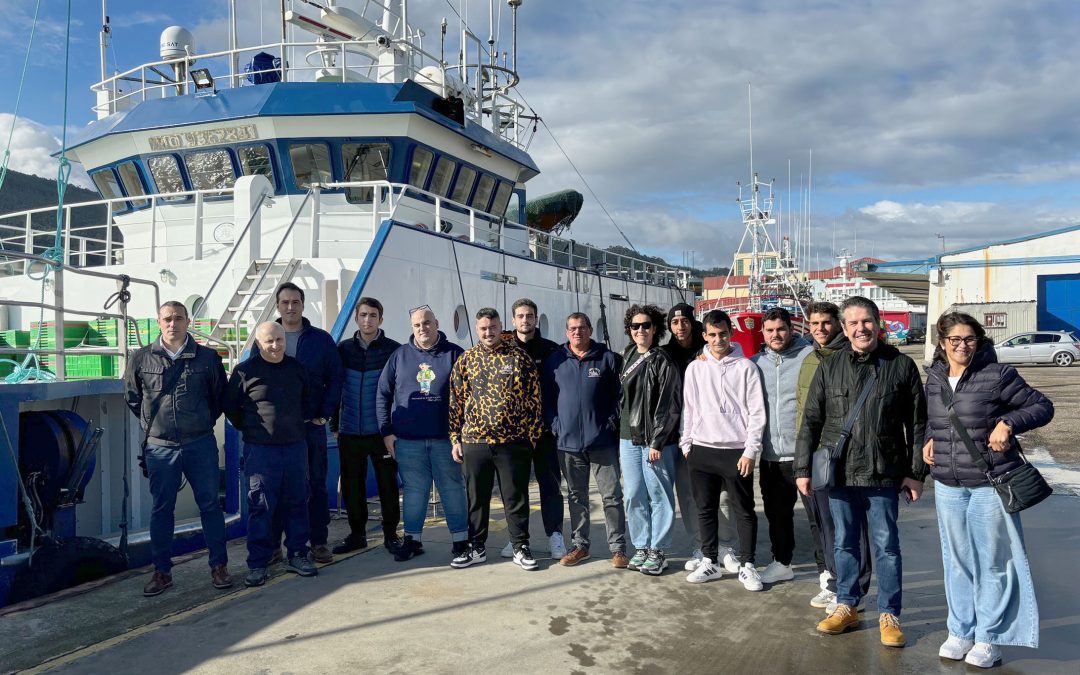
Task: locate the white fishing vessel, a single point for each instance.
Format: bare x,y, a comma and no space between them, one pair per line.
348,155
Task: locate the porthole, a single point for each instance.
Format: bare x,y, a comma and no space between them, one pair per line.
461,322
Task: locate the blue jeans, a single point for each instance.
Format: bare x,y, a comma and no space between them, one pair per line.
420,463
649,489
851,507
198,461
987,579
318,498
276,474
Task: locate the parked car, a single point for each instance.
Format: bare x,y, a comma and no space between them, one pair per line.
1044,346
916,336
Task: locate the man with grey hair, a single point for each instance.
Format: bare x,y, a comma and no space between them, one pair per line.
879,446
175,388
268,400
495,423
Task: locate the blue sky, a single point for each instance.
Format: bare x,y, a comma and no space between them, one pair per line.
924,117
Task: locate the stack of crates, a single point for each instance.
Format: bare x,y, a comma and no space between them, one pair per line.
16,339
74,333
147,329
89,366
103,333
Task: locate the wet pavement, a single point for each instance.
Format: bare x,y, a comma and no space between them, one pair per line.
370,612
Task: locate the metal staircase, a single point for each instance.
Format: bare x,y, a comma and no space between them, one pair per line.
252,303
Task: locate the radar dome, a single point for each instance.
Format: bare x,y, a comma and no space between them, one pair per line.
177,42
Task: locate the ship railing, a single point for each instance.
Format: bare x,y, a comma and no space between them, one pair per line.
490,230
55,283
484,86
95,241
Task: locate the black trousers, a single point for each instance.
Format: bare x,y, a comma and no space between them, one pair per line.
713,470
779,494
548,472
828,538
513,463
354,452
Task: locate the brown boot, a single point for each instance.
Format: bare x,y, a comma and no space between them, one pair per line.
157,584
891,635
619,560
322,554
575,555
842,619
219,576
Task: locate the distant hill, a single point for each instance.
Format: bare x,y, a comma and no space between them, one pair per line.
22,192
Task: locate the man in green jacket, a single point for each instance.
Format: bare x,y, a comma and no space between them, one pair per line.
824,320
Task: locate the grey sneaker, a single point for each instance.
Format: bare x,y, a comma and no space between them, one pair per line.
302,565
255,577
637,559
655,563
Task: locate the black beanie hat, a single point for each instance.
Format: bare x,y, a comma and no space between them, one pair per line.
681,309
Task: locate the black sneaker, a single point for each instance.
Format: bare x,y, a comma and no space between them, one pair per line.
302,565
523,558
255,577
393,543
410,548
473,555
349,544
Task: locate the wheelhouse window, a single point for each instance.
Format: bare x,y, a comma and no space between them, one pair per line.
420,167
210,170
255,160
464,185
166,172
364,162
502,200
106,183
482,199
132,182
310,163
440,180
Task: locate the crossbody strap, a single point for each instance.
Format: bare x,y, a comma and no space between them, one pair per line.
845,434
961,431
634,366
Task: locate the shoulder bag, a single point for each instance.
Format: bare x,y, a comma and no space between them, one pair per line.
1021,488
823,470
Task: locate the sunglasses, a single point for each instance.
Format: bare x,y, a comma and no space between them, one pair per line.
417,309
644,325
956,340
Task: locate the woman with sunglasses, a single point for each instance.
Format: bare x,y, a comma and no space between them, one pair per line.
987,579
649,428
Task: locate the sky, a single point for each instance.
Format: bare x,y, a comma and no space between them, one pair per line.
924,118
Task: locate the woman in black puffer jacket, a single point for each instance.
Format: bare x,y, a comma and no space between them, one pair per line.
987,579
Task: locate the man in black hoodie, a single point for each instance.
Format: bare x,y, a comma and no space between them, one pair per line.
687,341
526,335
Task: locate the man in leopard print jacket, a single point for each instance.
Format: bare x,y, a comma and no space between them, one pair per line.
495,421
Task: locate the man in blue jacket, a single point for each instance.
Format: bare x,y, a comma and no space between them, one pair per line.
316,351
581,392
413,409
364,355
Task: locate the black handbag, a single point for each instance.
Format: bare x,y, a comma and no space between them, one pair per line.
1019,489
823,470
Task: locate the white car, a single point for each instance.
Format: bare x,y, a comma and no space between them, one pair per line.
1057,347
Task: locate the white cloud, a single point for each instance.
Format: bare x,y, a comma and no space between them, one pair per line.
32,147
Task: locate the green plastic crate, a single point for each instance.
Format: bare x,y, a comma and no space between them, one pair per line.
103,333
143,332
89,366
74,334
15,338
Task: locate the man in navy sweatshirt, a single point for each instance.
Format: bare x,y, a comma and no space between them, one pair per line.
413,408
364,355
581,391
268,400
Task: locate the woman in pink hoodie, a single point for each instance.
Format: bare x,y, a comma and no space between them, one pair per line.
723,420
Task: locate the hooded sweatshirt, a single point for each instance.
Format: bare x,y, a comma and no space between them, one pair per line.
413,401
723,404
780,377
810,367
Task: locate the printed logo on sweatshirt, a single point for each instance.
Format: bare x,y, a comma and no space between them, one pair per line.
594,372
506,369
425,376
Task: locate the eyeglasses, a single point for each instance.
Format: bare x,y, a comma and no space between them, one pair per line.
644,325
955,340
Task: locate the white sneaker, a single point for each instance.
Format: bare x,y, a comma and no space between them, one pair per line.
776,572
731,563
955,648
983,655
823,599
749,577
523,558
508,550
831,607
823,580
557,545
695,559
704,572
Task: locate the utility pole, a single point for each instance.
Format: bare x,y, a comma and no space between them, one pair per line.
942,238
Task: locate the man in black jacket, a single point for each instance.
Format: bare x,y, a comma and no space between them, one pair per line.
580,385
526,335
882,458
175,387
268,400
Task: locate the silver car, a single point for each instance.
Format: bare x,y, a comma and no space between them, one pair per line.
1045,346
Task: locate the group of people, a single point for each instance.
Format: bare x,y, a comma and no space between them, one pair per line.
684,422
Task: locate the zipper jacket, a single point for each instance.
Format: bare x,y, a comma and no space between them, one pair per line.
652,398
780,377
363,366
581,397
723,404
495,396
